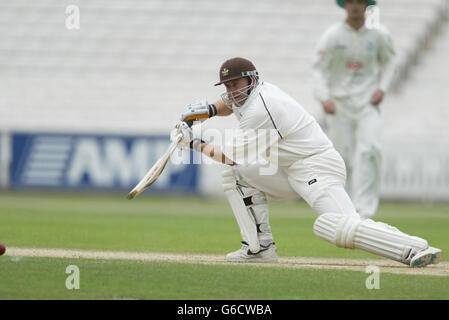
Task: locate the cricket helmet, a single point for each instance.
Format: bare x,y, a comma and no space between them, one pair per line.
236,68
341,3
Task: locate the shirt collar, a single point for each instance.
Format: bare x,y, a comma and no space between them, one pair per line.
348,27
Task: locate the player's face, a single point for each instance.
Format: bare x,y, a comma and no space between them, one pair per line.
356,8
237,84
236,91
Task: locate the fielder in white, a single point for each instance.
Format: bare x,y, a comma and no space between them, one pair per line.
353,69
307,166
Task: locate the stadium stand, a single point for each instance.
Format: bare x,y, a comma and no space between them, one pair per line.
418,109
416,134
133,65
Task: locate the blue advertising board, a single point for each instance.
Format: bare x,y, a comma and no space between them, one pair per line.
106,162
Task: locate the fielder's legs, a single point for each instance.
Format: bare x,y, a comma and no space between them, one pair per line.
367,163
341,131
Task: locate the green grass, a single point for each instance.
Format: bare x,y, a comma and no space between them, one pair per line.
42,278
184,225
192,225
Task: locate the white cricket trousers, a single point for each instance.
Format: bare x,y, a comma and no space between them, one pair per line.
319,180
358,140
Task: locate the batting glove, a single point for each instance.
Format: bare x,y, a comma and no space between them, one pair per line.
187,134
198,111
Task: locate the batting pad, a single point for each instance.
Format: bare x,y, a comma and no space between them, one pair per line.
353,232
245,220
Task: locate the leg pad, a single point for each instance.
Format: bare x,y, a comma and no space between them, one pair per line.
349,231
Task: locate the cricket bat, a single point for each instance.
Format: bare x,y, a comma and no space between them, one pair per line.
155,170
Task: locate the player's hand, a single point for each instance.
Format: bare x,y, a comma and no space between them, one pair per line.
187,134
329,106
198,111
377,97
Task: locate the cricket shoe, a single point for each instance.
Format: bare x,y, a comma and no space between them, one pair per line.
425,257
266,254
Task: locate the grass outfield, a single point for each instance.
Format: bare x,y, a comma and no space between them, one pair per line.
195,226
40,278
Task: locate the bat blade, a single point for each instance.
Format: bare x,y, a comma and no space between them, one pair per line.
149,178
132,194
155,171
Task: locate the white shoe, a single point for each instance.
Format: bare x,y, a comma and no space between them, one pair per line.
427,256
266,254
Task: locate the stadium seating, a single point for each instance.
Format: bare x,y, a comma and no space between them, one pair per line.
133,65
419,110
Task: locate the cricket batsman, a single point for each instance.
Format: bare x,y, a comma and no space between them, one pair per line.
353,68
307,166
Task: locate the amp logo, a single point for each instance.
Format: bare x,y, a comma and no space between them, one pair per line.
66,161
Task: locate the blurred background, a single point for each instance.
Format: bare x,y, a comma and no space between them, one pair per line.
90,89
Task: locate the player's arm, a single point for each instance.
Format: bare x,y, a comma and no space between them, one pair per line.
202,110
211,151
222,109
387,60
197,144
388,66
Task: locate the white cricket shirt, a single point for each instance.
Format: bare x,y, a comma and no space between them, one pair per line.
269,114
350,65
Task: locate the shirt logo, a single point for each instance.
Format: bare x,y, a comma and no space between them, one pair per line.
354,65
